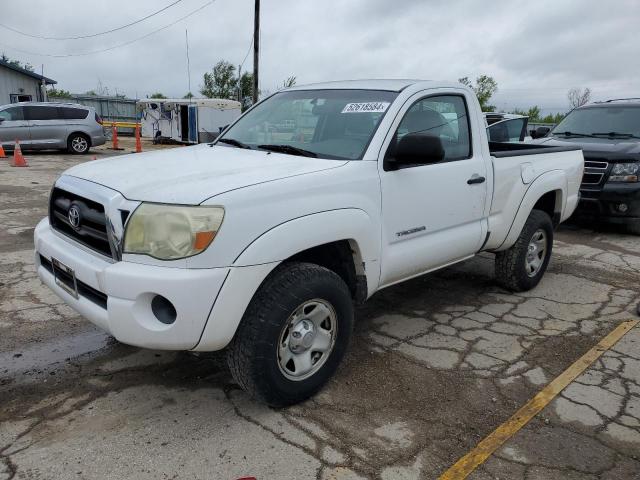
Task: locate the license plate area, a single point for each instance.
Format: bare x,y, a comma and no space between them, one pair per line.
65,277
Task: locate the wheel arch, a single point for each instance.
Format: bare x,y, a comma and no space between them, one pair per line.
79,132
546,193
346,241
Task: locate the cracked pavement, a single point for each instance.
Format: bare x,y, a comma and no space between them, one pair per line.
436,364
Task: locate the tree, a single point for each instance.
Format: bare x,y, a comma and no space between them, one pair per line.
16,63
246,87
221,82
289,82
157,95
58,93
188,95
578,97
484,88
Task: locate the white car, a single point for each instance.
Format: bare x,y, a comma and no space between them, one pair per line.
315,199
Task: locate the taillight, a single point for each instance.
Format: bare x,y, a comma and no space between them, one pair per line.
98,119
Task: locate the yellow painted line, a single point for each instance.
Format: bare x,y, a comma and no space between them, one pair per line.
468,463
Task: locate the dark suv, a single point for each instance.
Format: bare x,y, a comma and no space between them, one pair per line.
609,134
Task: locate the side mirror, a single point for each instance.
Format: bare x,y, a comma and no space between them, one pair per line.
416,149
540,132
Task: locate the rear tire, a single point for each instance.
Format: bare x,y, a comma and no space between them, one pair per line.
522,266
293,335
78,144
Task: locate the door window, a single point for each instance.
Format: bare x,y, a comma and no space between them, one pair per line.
69,113
508,130
443,116
41,113
12,114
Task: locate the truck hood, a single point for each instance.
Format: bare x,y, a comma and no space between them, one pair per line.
190,175
596,147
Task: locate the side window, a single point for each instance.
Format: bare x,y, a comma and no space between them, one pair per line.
508,130
443,116
69,113
41,113
12,114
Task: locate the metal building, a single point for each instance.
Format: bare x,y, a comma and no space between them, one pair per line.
20,85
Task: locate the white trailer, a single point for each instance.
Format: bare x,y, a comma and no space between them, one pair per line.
195,120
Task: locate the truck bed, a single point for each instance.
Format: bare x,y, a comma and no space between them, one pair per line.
516,170
506,149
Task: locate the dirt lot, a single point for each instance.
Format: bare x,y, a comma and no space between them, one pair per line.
436,364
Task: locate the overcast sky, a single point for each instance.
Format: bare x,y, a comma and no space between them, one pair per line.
536,50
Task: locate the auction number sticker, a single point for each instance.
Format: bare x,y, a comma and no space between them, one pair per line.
370,107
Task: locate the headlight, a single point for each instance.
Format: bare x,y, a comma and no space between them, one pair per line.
624,172
169,232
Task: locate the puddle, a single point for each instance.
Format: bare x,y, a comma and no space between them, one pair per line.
47,354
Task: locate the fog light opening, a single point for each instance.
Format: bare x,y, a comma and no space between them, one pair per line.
163,309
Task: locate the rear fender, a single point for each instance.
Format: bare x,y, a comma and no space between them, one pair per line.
555,180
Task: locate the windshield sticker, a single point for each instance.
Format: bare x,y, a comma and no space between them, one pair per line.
369,107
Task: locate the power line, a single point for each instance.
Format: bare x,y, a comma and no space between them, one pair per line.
15,30
124,44
248,52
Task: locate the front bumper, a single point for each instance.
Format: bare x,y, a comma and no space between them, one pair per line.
129,289
605,203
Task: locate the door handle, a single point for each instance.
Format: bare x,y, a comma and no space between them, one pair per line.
476,179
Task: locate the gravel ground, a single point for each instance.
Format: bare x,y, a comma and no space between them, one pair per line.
436,364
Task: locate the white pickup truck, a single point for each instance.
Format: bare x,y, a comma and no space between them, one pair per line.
312,201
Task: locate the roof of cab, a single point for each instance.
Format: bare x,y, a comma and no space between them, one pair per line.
392,85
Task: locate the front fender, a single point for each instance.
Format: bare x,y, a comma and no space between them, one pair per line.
294,236
268,250
555,180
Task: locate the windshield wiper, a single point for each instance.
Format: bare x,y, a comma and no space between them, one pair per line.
234,142
616,135
572,134
288,149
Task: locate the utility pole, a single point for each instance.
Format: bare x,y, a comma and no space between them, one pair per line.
256,49
186,39
240,83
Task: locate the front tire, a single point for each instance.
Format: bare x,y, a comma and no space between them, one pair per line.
522,266
293,335
78,144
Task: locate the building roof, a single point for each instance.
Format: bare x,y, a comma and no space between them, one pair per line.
28,73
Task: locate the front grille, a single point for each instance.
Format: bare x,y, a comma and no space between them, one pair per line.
594,172
84,290
92,228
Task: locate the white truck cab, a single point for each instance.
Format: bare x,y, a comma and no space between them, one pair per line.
262,242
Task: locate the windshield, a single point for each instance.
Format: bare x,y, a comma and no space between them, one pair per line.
599,120
336,124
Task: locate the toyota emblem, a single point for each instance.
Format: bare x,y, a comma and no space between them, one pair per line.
74,216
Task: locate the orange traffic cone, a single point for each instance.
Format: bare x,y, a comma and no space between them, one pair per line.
138,141
2,154
114,137
18,158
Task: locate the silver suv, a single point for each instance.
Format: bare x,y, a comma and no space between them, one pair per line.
40,126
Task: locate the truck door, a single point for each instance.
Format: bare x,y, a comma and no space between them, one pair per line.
432,214
13,126
193,124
